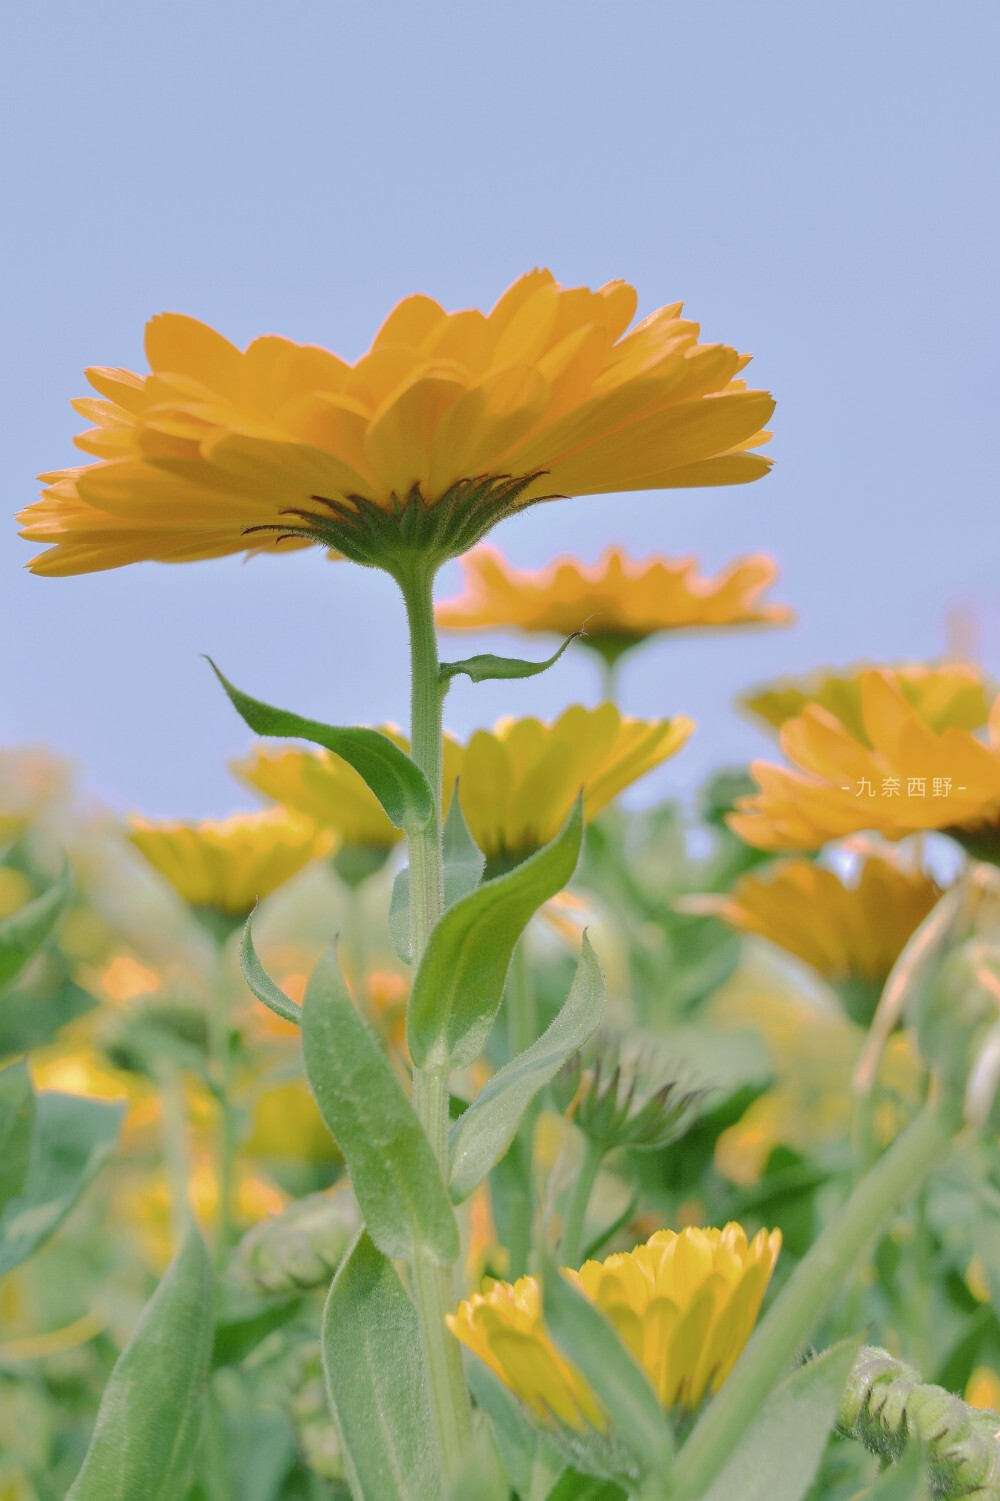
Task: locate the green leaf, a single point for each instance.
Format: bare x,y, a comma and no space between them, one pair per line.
464,863
779,1455
260,983
29,1021
149,1418
586,1338
461,975
481,1136
905,1481
573,1486
240,1330
480,1475
396,781
393,1169
376,1382
71,1140
23,933
17,1117
488,667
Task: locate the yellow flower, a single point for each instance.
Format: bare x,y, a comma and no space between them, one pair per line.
684,1305
900,775
983,1390
519,780
617,603
331,793
229,864
467,414
954,695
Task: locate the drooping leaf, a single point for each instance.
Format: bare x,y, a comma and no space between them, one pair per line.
460,978
590,1342
148,1421
488,667
260,983
483,1133
17,1117
780,1453
71,1139
23,933
463,869
396,781
376,1381
393,1168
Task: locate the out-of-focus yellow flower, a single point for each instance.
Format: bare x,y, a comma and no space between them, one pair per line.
285,1123
983,1390
229,864
952,695
145,1202
468,413
683,1304
617,603
325,789
15,887
902,776
520,779
124,979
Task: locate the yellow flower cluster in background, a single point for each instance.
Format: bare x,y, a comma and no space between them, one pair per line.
684,1304
954,695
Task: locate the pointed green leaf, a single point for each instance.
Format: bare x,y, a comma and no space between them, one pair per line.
376,1381
260,983
780,1454
149,1417
393,1169
464,863
481,1136
71,1140
30,1021
23,933
461,975
396,781
527,1455
591,1343
17,1117
488,667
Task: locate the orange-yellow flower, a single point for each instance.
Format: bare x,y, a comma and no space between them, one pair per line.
230,864
617,602
684,1305
454,418
951,695
901,774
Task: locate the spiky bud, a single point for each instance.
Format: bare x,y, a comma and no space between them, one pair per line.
620,1100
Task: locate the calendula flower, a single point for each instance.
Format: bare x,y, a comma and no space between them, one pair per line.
900,774
684,1305
447,424
617,603
228,865
952,695
520,779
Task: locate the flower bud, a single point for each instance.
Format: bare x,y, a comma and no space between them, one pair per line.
301,1247
620,1101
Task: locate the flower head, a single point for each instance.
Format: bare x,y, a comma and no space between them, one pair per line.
684,1305
953,695
617,603
901,772
228,865
519,780
448,423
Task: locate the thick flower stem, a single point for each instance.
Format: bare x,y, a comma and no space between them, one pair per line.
433,1285
571,1245
807,1294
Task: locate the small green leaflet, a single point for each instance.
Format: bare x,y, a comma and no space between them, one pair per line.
260,983
490,668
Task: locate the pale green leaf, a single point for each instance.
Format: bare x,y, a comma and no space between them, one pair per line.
23,933
463,861
260,983
17,1117
480,1475
905,1481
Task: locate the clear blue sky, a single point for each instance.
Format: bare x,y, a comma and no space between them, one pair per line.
817,181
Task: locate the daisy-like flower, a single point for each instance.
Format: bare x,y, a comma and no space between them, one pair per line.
951,695
226,866
617,603
447,424
683,1304
519,781
901,773
850,931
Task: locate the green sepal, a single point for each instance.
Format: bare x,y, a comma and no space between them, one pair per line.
488,667
393,1169
376,1381
17,1119
259,982
461,975
463,863
150,1414
481,1136
396,781
23,933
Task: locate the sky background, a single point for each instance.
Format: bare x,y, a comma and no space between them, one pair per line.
817,182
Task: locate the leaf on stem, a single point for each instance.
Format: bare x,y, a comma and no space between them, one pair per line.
463,863
260,983
488,667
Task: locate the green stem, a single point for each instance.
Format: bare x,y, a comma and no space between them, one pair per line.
220,1043
571,1245
806,1296
433,1285
522,1031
